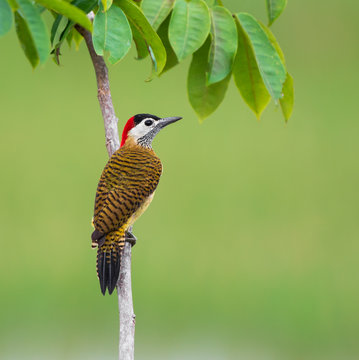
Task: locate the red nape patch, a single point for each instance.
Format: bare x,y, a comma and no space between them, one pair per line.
129,125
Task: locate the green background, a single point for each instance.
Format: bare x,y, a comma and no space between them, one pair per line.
250,248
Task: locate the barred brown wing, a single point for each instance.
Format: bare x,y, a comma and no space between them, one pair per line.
129,178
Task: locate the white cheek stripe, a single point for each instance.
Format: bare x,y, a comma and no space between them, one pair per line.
140,130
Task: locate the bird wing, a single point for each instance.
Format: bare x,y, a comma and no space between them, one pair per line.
128,179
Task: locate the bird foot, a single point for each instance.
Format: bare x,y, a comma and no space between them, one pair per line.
130,238
98,238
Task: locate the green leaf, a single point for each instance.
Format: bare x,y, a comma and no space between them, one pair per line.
56,51
224,44
171,55
203,98
141,46
68,10
189,27
26,42
247,76
5,17
112,33
77,38
36,27
287,101
212,3
69,37
106,4
273,41
13,4
274,9
154,43
55,27
86,6
156,11
269,63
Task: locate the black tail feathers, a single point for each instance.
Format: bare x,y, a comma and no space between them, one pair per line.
108,267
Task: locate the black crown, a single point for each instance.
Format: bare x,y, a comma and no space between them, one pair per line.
139,117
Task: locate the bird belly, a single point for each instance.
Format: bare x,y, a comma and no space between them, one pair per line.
140,211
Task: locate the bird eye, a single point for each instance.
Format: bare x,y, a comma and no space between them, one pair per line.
148,122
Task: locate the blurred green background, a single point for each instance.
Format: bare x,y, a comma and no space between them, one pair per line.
250,248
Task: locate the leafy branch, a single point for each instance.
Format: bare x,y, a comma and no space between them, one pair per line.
168,32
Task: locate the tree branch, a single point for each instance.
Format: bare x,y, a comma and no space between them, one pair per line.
125,307
124,288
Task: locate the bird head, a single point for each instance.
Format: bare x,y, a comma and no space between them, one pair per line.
142,128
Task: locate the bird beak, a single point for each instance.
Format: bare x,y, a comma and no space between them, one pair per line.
169,120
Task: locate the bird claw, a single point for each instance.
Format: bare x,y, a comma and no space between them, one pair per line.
130,238
99,242
98,238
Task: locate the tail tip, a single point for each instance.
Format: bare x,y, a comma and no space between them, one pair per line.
108,270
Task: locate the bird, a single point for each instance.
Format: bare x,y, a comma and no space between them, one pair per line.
125,190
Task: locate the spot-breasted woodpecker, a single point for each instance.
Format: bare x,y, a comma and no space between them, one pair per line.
125,190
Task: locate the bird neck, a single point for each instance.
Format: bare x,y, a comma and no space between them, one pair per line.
131,142
141,142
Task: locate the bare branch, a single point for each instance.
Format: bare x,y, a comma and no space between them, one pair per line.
127,316
124,288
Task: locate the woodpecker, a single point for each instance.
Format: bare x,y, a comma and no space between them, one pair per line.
124,192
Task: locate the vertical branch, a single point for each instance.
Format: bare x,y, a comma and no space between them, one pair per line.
124,288
125,307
